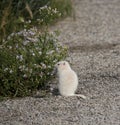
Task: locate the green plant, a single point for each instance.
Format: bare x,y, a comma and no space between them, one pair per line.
26,61
27,56
63,6
15,13
48,15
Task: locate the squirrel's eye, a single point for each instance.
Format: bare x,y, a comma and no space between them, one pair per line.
58,64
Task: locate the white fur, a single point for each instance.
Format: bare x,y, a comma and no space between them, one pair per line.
68,80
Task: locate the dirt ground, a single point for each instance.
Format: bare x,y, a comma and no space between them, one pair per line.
93,38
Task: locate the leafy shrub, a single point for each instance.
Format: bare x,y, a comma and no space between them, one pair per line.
26,61
27,56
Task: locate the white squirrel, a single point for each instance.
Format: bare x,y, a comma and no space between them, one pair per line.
68,80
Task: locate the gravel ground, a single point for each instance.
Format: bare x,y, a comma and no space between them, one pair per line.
93,38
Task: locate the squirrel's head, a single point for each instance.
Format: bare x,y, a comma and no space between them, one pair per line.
62,65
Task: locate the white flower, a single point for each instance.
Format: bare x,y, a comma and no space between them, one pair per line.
50,52
44,7
29,21
17,57
33,54
49,8
9,37
12,34
6,69
25,76
16,45
57,49
55,10
26,42
11,71
40,52
35,64
41,74
19,33
42,20
10,47
43,65
24,30
49,66
22,67
20,57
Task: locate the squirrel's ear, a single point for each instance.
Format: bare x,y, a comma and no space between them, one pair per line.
64,63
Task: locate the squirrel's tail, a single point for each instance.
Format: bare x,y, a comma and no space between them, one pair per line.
80,95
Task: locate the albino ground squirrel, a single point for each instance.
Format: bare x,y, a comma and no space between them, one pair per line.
68,80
